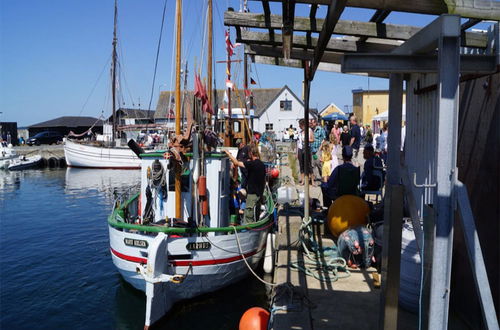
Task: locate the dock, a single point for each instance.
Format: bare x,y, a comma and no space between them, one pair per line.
303,302
46,151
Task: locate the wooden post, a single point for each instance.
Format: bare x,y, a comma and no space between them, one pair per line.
307,148
178,52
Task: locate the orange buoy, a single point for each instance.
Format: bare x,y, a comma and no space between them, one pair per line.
202,186
275,173
255,318
345,212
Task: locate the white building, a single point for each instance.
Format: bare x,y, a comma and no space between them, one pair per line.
283,110
275,109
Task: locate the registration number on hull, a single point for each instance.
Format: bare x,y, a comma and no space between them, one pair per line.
135,242
198,246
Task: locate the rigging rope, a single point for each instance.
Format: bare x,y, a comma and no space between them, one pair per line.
157,55
246,262
322,264
95,85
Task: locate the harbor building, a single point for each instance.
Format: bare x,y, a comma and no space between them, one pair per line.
65,124
366,104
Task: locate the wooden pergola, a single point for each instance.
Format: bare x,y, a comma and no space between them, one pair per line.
398,52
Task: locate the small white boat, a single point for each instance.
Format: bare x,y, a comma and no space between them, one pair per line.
23,163
172,260
7,155
94,156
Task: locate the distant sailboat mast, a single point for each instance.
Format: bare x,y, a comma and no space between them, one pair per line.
113,87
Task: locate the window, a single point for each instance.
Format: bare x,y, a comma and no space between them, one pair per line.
269,127
286,105
236,126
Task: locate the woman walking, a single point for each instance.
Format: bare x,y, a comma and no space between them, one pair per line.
301,152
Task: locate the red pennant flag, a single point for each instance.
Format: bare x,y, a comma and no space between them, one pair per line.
201,93
229,45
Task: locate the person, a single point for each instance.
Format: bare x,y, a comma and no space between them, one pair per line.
368,135
319,137
369,181
329,188
355,138
334,142
345,137
301,152
336,130
380,141
256,182
291,132
243,156
326,158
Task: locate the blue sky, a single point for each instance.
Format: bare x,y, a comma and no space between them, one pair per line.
52,53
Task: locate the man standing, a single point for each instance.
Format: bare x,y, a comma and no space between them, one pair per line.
242,156
329,188
369,181
319,137
355,138
256,182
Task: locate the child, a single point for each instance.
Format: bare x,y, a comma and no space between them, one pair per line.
334,142
326,157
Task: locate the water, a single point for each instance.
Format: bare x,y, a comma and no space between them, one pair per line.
55,266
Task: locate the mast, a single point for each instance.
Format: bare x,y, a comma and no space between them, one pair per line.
229,126
178,196
209,58
113,87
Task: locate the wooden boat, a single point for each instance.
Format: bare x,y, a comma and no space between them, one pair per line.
175,238
23,163
106,155
85,155
172,260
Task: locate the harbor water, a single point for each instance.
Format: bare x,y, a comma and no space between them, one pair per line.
56,270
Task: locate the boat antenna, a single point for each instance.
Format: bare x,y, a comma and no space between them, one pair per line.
113,87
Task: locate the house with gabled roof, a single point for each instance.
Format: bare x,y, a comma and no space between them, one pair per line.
275,109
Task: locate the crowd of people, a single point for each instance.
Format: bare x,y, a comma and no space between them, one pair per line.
329,143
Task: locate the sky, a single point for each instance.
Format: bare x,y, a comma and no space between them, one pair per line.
55,56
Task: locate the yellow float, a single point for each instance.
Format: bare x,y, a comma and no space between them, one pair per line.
347,211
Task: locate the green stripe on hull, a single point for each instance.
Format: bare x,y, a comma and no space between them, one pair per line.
118,212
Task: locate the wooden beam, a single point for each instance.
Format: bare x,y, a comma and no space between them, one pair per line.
470,23
292,63
332,17
287,29
298,54
312,19
267,15
378,17
482,9
343,27
343,45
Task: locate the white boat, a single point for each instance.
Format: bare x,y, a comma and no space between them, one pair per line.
7,155
174,260
94,156
23,163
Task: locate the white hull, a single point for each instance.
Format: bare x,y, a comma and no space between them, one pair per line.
210,270
89,156
24,163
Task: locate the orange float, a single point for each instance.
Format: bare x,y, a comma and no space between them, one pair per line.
255,318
